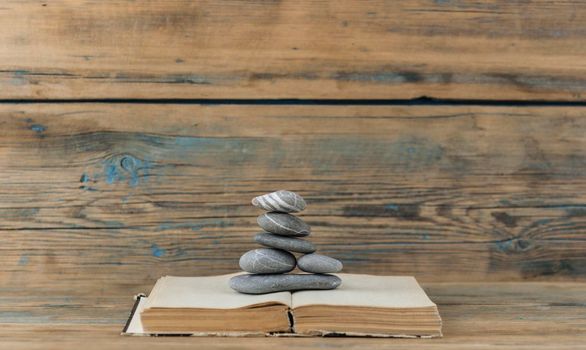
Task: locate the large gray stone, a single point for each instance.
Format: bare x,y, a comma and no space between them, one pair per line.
281,201
286,243
283,224
261,284
317,263
267,260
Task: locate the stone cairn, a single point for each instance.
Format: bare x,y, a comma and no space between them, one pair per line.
268,267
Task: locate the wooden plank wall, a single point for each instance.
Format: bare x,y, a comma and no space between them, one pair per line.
125,193
101,198
310,49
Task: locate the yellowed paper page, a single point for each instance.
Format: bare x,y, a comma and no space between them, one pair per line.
207,293
367,291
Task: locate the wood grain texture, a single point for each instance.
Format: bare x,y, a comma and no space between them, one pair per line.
458,49
122,194
525,315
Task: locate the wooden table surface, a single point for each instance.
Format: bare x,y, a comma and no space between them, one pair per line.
505,315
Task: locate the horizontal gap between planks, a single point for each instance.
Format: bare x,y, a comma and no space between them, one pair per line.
422,101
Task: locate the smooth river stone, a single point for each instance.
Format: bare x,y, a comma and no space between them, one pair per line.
261,284
317,263
281,201
283,224
286,243
267,260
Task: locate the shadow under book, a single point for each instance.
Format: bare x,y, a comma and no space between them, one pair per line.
364,305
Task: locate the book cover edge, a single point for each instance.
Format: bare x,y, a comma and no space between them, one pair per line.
132,312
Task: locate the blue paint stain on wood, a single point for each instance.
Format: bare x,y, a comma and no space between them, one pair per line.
157,251
19,77
19,212
131,164
505,245
186,78
126,168
22,317
505,202
577,211
112,174
23,260
84,179
381,77
184,225
572,210
513,245
38,128
230,150
113,224
207,143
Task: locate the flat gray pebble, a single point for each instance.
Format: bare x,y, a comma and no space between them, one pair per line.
286,243
317,263
281,201
267,260
283,224
261,284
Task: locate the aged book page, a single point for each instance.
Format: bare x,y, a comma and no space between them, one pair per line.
207,305
368,291
365,305
207,293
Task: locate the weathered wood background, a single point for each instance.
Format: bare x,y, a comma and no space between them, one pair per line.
134,134
129,192
497,49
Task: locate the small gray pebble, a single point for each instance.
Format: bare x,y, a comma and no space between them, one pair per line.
317,263
283,224
267,260
286,243
261,284
281,201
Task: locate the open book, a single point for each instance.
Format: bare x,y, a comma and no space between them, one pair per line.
364,305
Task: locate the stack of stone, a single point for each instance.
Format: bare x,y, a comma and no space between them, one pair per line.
268,267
